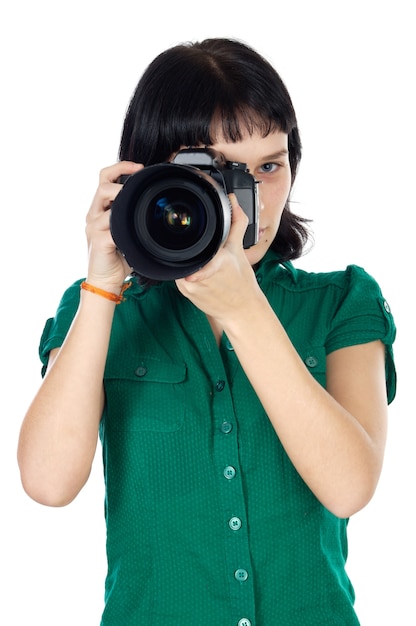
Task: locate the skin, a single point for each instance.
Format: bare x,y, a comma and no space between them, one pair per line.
334,437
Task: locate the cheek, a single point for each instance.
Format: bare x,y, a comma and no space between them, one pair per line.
273,199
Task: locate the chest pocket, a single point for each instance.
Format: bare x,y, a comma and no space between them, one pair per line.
148,395
315,360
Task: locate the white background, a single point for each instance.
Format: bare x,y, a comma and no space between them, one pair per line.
67,73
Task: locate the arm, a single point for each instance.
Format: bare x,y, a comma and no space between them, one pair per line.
59,433
334,437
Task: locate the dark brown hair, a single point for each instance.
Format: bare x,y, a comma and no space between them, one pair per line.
188,87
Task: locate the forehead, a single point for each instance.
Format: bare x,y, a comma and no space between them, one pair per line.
239,124
253,146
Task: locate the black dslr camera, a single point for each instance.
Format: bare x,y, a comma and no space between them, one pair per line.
170,219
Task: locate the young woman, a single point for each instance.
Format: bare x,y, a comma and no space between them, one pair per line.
242,408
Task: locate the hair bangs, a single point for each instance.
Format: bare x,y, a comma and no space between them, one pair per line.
234,124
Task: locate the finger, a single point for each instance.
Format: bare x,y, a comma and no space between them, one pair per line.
112,173
239,223
108,188
208,270
103,198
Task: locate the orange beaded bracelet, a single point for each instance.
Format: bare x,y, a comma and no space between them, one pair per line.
106,294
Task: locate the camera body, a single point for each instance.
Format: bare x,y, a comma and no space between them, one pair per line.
234,177
170,219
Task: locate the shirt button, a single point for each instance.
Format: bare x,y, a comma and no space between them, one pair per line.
235,523
244,622
386,306
229,472
220,384
311,361
226,427
141,371
241,575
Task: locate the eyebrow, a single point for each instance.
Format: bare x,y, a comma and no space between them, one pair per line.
275,155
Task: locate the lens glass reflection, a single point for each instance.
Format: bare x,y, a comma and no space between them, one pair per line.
176,219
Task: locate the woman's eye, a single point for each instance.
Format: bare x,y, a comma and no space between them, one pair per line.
269,167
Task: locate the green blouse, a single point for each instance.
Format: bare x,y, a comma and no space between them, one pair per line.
208,522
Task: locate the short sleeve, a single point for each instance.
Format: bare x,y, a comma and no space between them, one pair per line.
364,315
56,328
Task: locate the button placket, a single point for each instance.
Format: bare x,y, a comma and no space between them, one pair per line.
226,451
223,365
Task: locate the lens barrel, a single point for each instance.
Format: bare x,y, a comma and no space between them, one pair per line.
169,220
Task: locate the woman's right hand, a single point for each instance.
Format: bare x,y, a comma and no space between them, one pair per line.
107,267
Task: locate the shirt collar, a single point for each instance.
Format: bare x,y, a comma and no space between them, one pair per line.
272,264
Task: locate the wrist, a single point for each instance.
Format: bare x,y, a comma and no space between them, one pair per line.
109,293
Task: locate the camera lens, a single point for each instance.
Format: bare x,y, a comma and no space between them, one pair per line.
169,220
175,219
